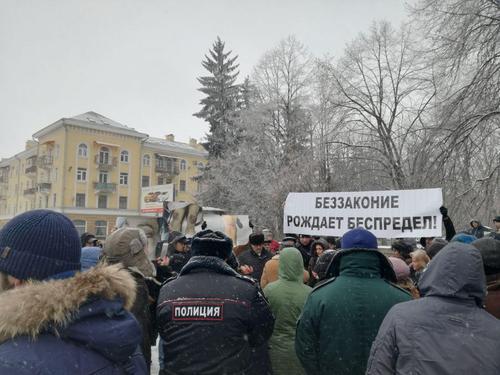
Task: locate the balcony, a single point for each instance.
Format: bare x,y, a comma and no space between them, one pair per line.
169,170
45,161
30,191
105,164
104,187
31,171
44,187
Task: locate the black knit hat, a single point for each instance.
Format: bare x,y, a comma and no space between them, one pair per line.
210,243
435,247
38,244
256,239
403,248
490,252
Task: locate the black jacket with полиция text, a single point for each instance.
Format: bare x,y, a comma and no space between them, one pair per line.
210,318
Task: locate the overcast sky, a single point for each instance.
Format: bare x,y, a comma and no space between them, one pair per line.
136,61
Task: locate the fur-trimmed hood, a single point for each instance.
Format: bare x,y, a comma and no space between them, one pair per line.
53,306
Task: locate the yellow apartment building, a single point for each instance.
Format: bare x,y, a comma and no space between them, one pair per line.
92,169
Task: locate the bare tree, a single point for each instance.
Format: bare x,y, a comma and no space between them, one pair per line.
383,88
462,39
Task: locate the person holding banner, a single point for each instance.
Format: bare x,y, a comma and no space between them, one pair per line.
341,317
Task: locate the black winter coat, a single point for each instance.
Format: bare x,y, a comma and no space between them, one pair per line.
179,260
305,251
210,318
257,262
142,313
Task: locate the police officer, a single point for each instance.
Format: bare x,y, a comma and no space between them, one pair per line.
211,318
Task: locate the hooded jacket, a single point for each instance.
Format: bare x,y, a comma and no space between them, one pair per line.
314,259
286,297
341,317
445,332
477,232
78,325
271,272
210,318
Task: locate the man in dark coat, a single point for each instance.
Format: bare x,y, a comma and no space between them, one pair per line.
62,322
342,316
210,317
180,253
253,260
447,332
490,252
304,246
477,229
496,230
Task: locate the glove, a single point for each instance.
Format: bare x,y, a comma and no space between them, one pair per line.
443,210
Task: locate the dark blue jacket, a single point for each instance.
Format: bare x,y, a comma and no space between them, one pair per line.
101,337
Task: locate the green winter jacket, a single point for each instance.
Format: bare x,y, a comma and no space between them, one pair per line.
286,297
341,318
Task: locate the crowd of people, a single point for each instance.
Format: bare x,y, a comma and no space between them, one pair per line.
303,305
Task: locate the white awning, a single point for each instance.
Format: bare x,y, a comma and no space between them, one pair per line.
106,144
167,156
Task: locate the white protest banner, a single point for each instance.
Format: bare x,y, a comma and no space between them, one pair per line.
387,214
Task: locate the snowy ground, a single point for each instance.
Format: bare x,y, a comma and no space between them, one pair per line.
155,368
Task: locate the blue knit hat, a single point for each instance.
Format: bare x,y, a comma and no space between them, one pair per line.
359,238
39,244
464,238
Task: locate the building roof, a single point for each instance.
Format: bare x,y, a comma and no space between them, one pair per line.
160,145
96,121
97,118
92,120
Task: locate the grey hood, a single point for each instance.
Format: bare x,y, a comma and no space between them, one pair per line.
456,272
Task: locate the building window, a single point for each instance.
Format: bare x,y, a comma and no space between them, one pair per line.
103,177
80,200
102,201
124,156
82,150
123,203
104,155
182,185
123,178
81,174
54,199
183,165
101,229
146,160
145,181
81,226
200,166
